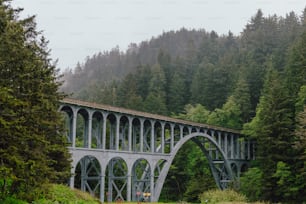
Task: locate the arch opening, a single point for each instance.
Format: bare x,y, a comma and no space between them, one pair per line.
136,135
141,180
97,130
210,149
81,139
67,117
116,180
87,175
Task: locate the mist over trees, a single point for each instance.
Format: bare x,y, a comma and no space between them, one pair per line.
253,82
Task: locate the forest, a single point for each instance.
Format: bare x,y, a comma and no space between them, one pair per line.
254,82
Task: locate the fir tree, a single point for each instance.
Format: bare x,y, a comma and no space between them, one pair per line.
32,149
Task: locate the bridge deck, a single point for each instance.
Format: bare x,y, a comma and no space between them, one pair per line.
144,114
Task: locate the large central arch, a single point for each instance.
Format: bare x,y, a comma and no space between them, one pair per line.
218,161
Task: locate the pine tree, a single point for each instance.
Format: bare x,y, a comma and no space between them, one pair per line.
272,128
33,151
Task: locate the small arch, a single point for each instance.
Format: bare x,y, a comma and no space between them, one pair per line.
176,134
167,133
147,126
234,169
116,179
82,128
111,123
244,168
185,131
157,136
87,175
97,130
136,135
141,179
124,133
67,117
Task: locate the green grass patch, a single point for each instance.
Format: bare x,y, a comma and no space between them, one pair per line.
60,194
225,197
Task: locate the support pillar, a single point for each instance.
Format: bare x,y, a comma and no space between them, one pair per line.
152,184
232,146
225,145
71,181
163,138
89,131
74,122
130,133
117,132
129,187
104,131
141,133
249,148
152,137
181,132
102,187
238,148
172,137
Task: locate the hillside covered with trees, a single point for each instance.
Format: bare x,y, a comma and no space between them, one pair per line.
254,82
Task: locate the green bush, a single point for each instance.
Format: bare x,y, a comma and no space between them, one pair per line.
217,196
64,195
10,200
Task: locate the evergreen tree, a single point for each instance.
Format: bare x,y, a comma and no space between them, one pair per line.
32,149
272,128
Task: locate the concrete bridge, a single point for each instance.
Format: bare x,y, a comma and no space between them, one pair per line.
121,154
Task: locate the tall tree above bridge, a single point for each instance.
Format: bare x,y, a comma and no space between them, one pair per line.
32,149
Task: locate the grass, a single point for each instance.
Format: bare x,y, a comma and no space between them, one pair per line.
60,194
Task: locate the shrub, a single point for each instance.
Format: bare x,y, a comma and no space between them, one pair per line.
217,196
11,200
63,194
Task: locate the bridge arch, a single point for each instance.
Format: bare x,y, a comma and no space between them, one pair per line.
87,175
116,177
141,178
219,165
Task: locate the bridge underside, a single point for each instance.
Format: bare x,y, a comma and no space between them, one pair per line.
120,154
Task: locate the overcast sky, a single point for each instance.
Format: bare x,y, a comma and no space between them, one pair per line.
80,28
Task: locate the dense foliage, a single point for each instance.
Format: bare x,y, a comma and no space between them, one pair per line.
254,82
32,150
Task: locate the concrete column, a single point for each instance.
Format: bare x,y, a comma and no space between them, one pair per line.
225,145
219,143
152,183
130,133
181,132
238,147
89,129
232,146
163,138
249,148
102,186
141,133
104,131
74,122
152,136
129,187
71,181
172,137
117,132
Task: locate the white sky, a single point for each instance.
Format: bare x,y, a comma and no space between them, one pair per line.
80,28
